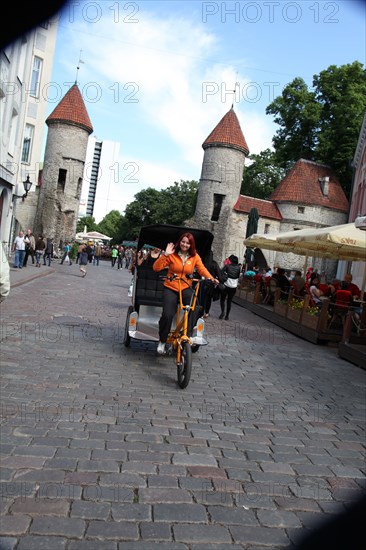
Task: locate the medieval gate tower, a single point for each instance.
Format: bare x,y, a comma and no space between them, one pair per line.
69,128
220,182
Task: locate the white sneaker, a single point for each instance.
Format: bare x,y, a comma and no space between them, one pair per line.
161,348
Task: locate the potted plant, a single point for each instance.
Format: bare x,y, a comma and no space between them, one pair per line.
295,308
310,317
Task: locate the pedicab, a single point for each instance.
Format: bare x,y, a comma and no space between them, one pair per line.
187,332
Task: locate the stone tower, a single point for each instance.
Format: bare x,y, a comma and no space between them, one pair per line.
69,128
220,182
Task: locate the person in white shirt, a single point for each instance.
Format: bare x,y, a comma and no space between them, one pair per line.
19,249
4,274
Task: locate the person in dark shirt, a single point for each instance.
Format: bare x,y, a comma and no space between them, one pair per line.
283,283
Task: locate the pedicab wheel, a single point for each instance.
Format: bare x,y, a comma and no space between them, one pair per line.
185,367
127,337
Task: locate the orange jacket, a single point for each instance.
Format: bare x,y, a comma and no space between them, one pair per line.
175,266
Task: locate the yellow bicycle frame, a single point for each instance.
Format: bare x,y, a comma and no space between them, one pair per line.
180,333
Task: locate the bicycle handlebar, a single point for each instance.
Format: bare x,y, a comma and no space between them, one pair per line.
174,276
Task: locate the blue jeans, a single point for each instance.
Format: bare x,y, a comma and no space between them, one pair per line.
47,256
38,256
96,260
19,258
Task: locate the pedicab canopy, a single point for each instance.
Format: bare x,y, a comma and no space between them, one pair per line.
159,235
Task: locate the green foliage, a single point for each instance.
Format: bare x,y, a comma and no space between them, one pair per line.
324,124
297,113
173,205
73,251
87,221
262,176
341,91
111,225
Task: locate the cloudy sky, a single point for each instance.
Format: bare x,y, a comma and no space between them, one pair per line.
157,77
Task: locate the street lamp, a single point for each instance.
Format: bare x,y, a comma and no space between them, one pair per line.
27,184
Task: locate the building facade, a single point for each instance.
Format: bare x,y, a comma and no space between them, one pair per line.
61,182
101,176
26,68
310,195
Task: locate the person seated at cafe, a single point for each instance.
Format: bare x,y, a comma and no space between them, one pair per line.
316,293
356,292
298,283
283,283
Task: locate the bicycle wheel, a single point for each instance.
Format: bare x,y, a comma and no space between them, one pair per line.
127,337
184,368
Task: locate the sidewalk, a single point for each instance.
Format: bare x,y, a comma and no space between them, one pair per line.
28,273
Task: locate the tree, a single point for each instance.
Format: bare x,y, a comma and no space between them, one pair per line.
297,113
179,201
262,176
341,91
322,125
172,205
111,225
87,221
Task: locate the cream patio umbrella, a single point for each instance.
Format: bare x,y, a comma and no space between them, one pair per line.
339,242
270,241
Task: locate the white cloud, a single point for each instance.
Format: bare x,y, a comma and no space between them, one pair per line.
182,91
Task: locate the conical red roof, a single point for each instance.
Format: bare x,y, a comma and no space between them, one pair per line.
71,109
227,133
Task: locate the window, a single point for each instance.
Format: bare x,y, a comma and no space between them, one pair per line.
27,142
61,179
218,200
301,209
12,132
267,227
36,77
78,189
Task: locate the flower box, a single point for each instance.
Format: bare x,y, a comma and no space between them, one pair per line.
310,321
280,308
250,296
294,314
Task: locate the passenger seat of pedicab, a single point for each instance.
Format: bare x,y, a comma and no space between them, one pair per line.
149,286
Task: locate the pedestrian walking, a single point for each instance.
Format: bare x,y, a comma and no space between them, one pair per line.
30,245
84,258
40,248
230,275
80,249
97,254
19,249
114,256
66,254
48,253
211,292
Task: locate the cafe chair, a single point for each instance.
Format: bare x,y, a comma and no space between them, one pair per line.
343,299
270,291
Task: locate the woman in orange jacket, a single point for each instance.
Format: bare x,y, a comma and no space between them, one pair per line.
181,259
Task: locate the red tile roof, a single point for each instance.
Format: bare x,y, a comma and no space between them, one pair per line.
71,109
302,186
266,209
227,133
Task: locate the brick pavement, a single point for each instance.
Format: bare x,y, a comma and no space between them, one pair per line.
100,449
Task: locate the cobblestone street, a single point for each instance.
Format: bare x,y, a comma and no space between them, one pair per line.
101,450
